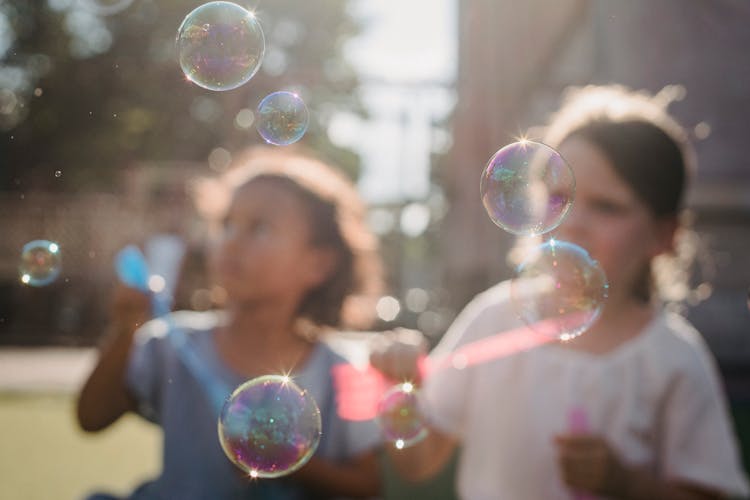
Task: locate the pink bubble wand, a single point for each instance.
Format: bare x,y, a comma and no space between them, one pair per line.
578,423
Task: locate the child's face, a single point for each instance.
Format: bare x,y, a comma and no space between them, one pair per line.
609,220
264,251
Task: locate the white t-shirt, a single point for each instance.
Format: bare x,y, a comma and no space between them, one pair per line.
656,399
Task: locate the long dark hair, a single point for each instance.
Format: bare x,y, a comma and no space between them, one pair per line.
651,153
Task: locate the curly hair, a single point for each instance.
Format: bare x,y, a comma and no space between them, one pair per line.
337,217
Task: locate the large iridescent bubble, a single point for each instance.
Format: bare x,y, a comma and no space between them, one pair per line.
400,419
282,118
220,45
527,188
269,427
41,263
559,289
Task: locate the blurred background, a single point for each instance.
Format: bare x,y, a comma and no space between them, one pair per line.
100,131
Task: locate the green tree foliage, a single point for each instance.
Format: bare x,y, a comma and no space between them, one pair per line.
87,94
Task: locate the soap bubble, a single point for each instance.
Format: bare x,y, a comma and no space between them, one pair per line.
527,188
559,289
220,45
41,263
282,118
269,427
399,417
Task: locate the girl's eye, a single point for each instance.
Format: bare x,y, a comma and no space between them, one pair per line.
260,229
608,207
255,229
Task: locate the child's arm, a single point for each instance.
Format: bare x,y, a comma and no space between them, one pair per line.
359,477
105,397
589,464
397,358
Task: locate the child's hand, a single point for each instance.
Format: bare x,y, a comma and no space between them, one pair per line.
130,308
588,464
396,354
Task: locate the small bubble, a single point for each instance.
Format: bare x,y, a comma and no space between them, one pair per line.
40,263
282,118
38,92
400,420
58,173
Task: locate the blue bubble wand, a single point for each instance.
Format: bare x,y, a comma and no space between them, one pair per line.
133,270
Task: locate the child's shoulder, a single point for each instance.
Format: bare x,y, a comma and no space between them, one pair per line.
190,322
488,313
679,343
492,303
497,295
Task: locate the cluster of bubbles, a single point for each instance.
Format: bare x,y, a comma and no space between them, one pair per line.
527,189
220,47
269,427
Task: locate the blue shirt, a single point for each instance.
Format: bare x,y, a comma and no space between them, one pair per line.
173,396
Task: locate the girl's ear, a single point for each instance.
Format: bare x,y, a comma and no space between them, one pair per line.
665,232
